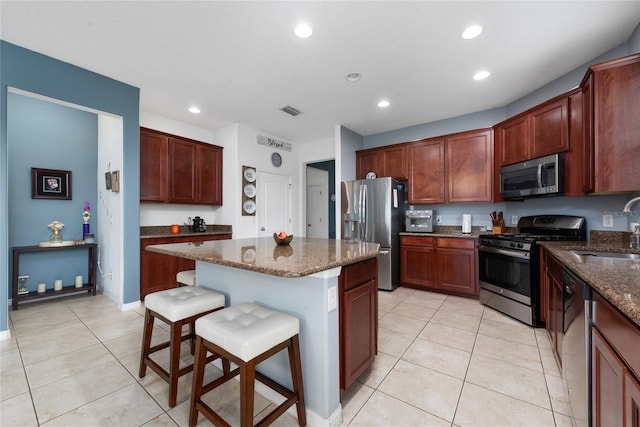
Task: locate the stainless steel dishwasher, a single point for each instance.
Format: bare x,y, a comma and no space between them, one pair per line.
576,345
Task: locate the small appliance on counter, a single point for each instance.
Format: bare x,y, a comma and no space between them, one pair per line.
198,225
419,221
466,223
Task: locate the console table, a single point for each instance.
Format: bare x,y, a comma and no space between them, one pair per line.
92,251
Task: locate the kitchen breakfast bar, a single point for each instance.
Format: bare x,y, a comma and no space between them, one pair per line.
305,279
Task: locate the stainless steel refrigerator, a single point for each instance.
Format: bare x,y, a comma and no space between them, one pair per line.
373,211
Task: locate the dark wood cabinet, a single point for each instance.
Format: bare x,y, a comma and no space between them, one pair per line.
426,169
612,120
447,265
470,166
158,271
358,320
615,366
552,285
384,161
417,261
179,170
573,160
511,138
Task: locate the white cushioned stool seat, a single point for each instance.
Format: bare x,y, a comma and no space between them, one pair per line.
180,303
247,330
187,277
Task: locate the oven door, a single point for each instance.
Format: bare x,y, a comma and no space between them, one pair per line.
505,272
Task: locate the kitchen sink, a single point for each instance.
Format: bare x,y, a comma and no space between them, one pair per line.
604,254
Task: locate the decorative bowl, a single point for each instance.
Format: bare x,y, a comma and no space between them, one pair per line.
282,242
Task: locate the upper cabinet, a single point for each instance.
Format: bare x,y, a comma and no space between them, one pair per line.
454,168
179,170
611,126
538,132
385,161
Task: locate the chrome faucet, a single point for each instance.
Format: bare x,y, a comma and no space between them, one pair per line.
627,207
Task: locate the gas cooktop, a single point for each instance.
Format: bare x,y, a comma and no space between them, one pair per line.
543,227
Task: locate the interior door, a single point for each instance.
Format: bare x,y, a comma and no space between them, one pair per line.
317,203
274,203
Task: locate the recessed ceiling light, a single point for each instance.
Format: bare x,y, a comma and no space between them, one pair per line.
471,32
481,75
194,110
383,104
353,77
303,30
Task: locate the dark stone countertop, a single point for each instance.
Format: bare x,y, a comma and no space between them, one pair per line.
160,231
616,279
302,257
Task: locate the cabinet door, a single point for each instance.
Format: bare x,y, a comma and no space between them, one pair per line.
608,384
153,167
208,175
616,124
394,162
549,127
470,167
426,161
631,401
573,159
456,268
588,167
359,330
182,160
157,271
417,265
512,139
367,161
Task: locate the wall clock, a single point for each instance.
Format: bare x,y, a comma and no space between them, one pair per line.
371,175
276,160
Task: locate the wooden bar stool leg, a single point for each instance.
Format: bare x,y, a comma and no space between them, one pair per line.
146,342
192,336
247,389
198,378
296,378
174,361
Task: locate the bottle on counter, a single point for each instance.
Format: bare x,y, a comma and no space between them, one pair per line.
635,238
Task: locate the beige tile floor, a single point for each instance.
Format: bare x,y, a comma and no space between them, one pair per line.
443,361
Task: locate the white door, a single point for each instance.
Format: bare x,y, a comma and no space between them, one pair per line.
317,203
274,203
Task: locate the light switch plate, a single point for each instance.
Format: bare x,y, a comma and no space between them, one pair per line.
607,220
514,219
332,299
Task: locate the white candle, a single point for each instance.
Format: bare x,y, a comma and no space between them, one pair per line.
57,285
41,287
79,281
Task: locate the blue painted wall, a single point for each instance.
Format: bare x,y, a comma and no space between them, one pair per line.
50,136
30,71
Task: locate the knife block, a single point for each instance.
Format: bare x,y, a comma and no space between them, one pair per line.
498,228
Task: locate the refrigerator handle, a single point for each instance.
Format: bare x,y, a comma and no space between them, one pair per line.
363,218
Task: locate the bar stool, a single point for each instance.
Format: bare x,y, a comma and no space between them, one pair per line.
247,334
186,278
176,307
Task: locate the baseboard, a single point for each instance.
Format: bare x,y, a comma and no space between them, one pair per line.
5,335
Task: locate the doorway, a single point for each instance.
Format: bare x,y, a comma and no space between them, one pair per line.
274,203
329,196
317,207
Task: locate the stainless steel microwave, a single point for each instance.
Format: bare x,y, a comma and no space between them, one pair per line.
536,177
419,221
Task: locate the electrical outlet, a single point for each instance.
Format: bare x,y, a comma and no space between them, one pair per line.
438,218
514,219
607,220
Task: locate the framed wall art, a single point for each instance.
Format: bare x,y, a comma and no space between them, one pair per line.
50,184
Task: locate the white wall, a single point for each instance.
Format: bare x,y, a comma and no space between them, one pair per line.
165,214
110,209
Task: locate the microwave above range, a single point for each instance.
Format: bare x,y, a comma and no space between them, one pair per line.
420,221
543,176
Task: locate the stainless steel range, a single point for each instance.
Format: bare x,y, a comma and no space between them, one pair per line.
509,264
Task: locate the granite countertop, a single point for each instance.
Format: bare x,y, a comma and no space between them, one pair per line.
160,231
303,257
616,279
450,231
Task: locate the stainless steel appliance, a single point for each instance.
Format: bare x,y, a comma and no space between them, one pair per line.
576,345
509,264
536,177
419,221
373,211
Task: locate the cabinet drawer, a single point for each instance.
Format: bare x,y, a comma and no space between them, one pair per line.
458,243
619,332
361,272
417,240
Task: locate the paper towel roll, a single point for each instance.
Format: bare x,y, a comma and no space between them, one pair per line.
466,223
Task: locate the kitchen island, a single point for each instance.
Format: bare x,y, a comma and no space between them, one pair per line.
303,279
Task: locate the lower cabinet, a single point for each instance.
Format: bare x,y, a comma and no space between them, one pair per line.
444,264
358,320
158,271
614,369
552,293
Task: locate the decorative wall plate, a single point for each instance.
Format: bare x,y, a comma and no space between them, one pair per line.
249,206
250,174
250,190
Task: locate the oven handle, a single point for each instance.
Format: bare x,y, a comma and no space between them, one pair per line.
515,254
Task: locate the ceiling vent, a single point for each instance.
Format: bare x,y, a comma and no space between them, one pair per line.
290,110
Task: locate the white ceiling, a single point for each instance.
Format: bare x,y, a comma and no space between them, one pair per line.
240,62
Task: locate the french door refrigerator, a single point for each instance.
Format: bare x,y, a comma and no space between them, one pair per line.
373,211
